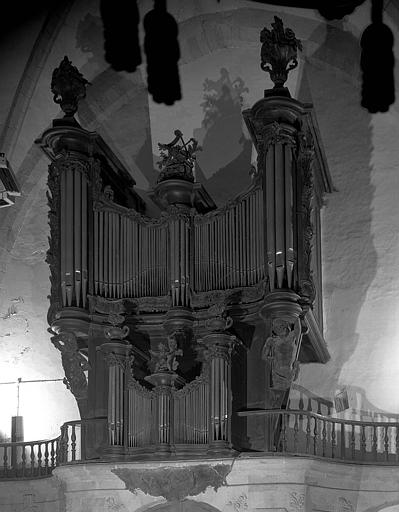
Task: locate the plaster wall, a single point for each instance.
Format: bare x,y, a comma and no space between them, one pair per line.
220,76
268,484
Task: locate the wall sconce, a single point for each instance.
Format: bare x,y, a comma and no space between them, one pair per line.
8,183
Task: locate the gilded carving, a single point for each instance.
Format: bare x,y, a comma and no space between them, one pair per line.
73,362
281,351
174,483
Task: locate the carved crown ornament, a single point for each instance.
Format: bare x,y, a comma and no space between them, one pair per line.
279,52
68,86
177,159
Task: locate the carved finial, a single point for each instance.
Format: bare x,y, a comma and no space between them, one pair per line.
68,86
279,52
177,160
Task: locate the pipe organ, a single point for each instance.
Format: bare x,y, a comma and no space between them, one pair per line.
192,286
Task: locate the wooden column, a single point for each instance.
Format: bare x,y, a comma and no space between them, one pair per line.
218,346
164,383
117,355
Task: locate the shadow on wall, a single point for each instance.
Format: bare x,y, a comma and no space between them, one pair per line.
224,163
349,256
115,106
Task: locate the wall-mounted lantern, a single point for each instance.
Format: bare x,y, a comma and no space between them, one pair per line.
9,188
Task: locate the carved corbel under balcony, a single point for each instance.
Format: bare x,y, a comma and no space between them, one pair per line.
75,365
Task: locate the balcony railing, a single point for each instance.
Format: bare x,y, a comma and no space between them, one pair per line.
307,433
287,432
28,459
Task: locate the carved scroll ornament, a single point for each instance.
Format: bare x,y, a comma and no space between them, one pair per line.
73,362
305,159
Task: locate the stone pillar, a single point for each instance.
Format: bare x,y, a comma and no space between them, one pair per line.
218,346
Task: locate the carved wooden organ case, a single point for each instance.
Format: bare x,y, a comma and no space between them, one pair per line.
168,326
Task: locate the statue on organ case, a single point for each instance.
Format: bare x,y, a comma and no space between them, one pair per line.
280,351
164,359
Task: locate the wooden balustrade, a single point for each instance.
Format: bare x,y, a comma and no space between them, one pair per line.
307,433
28,459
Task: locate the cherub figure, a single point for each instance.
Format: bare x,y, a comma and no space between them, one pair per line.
164,359
281,351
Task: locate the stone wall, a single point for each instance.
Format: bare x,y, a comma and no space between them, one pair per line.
248,484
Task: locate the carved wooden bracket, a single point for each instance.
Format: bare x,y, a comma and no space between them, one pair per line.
174,483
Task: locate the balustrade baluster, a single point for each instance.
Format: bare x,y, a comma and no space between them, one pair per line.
5,460
300,404
397,443
353,443
284,432
386,442
66,444
52,454
39,459
324,438
23,460
315,434
363,442
374,442
32,459
308,430
296,429
343,447
73,442
333,440
46,456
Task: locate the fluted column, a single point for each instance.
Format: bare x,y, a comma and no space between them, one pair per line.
164,383
218,346
117,355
